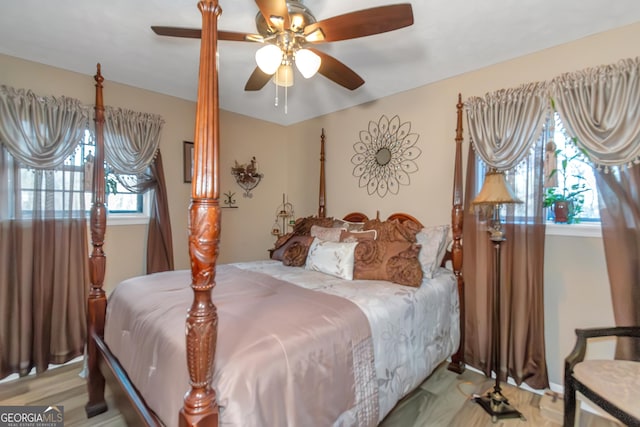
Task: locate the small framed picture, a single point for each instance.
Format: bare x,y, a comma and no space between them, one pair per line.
187,159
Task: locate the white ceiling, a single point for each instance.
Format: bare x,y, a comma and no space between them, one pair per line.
449,37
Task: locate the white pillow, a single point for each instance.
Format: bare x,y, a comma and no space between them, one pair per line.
433,241
334,258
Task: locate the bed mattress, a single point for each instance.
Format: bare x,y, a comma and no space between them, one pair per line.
408,332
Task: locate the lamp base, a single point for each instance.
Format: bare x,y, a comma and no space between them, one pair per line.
496,405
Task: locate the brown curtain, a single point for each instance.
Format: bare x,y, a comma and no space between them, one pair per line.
43,265
508,131
131,151
522,256
619,198
599,106
159,240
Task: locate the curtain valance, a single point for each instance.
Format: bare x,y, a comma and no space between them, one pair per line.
600,106
41,132
505,124
131,139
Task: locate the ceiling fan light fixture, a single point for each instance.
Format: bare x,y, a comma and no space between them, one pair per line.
307,62
297,22
269,58
277,21
284,76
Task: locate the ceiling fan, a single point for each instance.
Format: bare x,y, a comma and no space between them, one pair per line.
288,29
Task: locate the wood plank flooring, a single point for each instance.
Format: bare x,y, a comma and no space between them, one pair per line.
443,400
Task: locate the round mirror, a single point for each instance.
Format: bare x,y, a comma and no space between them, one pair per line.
383,156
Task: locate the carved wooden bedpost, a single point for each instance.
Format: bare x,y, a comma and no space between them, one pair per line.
200,407
322,210
97,302
457,360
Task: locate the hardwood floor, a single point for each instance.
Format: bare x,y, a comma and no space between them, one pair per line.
59,386
443,400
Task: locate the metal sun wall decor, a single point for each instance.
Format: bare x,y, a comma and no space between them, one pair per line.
385,156
247,176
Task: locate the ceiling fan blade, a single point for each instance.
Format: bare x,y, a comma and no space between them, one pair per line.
275,12
335,70
233,36
190,33
364,22
257,80
196,33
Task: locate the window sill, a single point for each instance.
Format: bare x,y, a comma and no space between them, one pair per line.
127,219
574,230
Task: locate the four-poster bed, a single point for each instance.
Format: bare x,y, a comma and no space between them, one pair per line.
210,353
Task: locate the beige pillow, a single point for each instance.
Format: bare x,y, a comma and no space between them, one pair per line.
351,226
328,234
358,236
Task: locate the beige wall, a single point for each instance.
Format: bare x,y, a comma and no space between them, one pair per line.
247,231
576,285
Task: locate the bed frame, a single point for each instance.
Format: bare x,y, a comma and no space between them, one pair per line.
200,406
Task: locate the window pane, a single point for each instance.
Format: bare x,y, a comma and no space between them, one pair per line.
121,203
577,169
70,177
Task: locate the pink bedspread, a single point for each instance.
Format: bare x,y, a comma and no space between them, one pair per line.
286,356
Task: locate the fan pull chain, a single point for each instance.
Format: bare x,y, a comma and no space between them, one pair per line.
276,100
285,99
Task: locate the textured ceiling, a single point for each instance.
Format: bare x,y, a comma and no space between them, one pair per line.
448,38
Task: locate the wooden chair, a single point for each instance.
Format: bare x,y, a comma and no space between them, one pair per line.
613,385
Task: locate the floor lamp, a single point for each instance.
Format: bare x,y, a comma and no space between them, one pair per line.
494,193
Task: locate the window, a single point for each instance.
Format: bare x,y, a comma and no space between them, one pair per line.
119,199
60,190
578,172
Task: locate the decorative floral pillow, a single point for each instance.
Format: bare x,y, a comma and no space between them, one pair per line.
295,255
433,241
334,258
391,231
304,241
392,261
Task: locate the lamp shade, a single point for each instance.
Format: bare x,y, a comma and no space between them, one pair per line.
307,62
495,191
269,58
284,76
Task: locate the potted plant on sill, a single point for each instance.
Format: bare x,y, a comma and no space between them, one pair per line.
567,199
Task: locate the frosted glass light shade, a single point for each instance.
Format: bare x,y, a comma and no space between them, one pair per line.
307,62
269,58
284,76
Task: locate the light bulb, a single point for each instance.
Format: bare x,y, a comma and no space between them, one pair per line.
307,62
284,76
269,58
